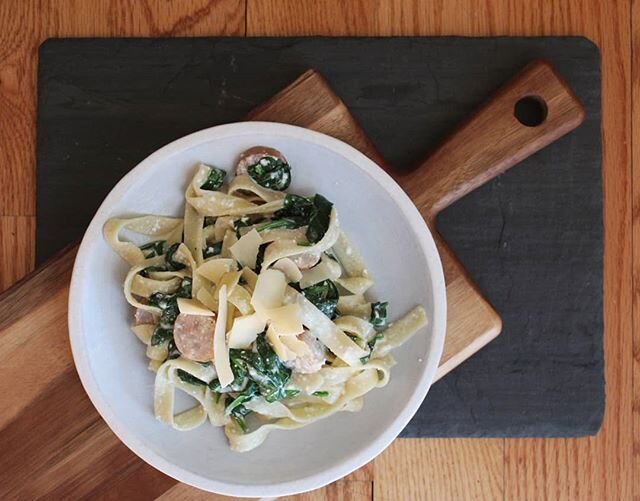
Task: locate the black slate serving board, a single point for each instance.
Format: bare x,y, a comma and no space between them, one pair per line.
532,238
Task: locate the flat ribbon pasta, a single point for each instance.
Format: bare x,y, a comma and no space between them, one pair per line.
217,203
287,248
167,381
159,227
364,380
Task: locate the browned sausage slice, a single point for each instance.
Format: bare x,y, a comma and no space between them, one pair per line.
144,317
305,261
193,335
253,155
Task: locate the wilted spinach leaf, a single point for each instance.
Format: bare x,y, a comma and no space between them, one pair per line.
288,224
238,414
260,257
184,290
168,303
249,393
185,377
261,368
271,173
149,269
244,221
372,342
324,296
153,249
379,315
319,223
212,250
172,264
161,335
214,179
320,394
172,350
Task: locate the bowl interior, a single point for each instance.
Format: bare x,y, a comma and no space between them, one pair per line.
399,253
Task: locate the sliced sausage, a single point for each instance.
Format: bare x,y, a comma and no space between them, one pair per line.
253,155
193,335
313,360
305,261
144,317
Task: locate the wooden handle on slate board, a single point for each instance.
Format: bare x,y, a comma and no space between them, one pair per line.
533,109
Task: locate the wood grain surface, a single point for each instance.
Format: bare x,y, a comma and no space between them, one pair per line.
601,467
78,461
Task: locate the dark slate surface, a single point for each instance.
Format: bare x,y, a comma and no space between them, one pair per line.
532,239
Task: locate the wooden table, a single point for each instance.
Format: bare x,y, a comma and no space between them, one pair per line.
601,467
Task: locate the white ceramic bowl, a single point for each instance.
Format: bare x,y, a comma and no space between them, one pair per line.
397,247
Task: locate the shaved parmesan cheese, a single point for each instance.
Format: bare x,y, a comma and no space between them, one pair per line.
143,332
326,331
250,277
230,279
193,307
245,330
286,320
220,348
326,269
241,299
228,241
213,269
289,268
245,250
283,352
207,299
269,291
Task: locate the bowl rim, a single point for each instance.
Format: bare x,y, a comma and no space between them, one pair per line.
350,462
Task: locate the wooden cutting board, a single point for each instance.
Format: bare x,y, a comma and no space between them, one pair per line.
59,444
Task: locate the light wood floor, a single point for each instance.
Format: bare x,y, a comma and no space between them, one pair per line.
602,467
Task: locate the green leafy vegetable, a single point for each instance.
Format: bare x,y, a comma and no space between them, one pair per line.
324,296
379,315
288,224
168,303
243,222
296,211
261,368
271,173
290,393
212,250
240,373
172,350
161,335
185,377
354,338
153,249
271,375
238,414
371,344
185,288
321,394
172,264
260,257
214,179
249,393
319,223
150,269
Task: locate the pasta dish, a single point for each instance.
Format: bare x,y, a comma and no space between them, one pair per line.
255,304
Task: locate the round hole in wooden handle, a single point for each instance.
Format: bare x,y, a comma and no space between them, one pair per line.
530,111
